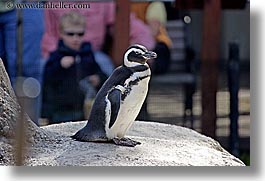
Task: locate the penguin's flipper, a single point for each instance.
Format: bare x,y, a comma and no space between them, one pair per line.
115,100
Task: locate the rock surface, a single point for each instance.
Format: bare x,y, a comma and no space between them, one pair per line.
162,145
10,112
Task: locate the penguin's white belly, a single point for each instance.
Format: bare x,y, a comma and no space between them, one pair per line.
129,109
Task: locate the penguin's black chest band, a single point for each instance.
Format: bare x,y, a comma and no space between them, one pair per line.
128,88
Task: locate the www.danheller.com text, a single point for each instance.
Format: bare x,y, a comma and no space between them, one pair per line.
48,5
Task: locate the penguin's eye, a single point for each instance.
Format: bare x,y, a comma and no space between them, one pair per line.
138,53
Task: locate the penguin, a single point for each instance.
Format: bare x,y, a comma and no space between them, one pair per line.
119,100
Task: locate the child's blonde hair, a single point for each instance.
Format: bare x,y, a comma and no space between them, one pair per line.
72,18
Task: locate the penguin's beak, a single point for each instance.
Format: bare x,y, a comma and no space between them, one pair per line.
150,55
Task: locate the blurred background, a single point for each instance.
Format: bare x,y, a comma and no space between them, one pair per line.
176,98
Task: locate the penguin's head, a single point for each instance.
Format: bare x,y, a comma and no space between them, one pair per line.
137,55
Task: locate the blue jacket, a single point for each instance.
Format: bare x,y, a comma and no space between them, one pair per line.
62,97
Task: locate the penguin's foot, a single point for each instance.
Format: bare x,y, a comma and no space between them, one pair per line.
125,142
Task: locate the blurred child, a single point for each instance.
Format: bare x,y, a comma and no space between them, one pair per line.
71,73
100,18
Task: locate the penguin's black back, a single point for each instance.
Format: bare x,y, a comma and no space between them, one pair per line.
96,120
118,77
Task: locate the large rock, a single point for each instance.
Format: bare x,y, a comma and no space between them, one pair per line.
10,114
10,111
162,144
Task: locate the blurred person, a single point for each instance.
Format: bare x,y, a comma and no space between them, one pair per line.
155,16
8,38
32,65
71,72
32,30
99,17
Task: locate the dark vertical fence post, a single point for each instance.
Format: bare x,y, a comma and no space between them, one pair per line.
20,124
209,65
233,84
121,31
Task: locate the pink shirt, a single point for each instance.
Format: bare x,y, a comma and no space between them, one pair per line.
98,16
